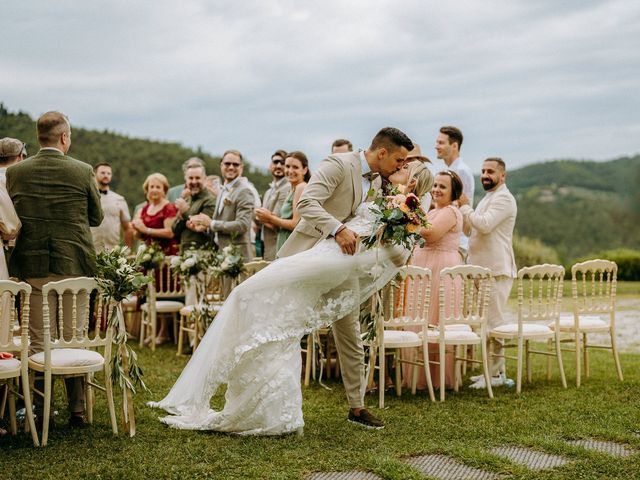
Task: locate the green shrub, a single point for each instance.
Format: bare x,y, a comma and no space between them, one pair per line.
531,251
628,262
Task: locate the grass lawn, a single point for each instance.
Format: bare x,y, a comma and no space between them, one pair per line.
465,426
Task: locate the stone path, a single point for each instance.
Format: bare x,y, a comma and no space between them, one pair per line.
446,468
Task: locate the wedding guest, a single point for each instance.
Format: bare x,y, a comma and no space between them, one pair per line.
194,199
232,218
341,145
174,192
490,227
116,213
154,220
272,201
12,151
448,145
297,172
440,251
56,198
154,224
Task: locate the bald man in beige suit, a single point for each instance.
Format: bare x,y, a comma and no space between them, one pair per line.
490,227
336,189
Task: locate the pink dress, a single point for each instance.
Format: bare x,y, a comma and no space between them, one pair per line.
442,252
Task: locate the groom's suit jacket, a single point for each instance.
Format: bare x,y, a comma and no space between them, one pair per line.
330,198
57,200
490,227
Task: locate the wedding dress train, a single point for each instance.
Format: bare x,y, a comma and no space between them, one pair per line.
253,346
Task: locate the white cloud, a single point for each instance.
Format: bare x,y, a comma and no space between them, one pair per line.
526,80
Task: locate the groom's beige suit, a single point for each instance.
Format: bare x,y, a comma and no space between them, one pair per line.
490,227
331,198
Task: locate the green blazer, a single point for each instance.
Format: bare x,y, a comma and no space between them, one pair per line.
203,202
57,200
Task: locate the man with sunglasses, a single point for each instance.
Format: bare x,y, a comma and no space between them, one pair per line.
233,214
273,199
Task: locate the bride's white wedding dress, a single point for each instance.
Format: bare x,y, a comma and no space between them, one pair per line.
253,346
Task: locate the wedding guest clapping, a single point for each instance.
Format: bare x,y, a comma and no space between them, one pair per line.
154,221
296,167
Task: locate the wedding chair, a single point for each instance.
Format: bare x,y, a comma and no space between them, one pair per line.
164,297
539,299
405,303
251,268
14,371
463,298
75,354
593,292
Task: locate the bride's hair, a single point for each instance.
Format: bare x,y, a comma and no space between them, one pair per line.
419,172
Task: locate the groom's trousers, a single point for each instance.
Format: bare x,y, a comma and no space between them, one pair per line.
346,333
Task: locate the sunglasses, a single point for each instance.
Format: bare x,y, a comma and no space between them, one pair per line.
231,164
278,161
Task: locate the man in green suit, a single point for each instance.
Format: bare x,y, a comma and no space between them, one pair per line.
57,200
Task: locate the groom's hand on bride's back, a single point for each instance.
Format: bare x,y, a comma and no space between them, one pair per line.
347,240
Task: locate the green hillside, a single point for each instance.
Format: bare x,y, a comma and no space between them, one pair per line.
577,208
132,158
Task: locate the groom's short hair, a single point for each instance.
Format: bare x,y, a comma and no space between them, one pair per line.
391,139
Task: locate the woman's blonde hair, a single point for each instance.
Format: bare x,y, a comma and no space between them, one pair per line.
419,172
160,178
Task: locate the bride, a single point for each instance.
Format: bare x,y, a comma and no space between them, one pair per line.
253,346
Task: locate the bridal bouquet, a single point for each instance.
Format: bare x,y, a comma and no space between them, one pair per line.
149,256
398,220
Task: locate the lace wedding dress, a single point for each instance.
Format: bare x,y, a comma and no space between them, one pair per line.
253,346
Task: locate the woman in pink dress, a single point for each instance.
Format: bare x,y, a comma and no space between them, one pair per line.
440,251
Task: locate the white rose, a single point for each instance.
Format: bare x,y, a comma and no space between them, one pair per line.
189,262
141,249
175,261
228,249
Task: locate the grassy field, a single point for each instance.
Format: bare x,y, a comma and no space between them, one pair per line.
464,427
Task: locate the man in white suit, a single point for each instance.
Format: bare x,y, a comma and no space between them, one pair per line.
338,186
490,227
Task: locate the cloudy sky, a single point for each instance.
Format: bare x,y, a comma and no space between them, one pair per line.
525,80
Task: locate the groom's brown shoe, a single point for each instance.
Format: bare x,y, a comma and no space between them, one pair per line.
365,419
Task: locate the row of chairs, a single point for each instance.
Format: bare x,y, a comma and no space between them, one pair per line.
167,295
464,294
73,351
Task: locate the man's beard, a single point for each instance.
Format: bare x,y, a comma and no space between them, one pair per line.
488,185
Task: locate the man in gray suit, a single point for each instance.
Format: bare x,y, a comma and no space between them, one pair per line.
336,189
57,200
233,214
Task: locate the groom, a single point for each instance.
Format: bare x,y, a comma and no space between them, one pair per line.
336,189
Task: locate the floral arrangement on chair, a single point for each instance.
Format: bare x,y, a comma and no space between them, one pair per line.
150,256
229,262
118,276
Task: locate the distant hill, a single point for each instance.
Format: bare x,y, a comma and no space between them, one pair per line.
578,207
575,207
132,158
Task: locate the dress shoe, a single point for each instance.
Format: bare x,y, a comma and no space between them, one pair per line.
365,419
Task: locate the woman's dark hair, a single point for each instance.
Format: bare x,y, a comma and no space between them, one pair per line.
303,160
456,184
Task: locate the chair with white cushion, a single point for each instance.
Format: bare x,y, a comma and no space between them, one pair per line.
15,370
463,299
539,299
593,292
405,304
164,295
78,352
